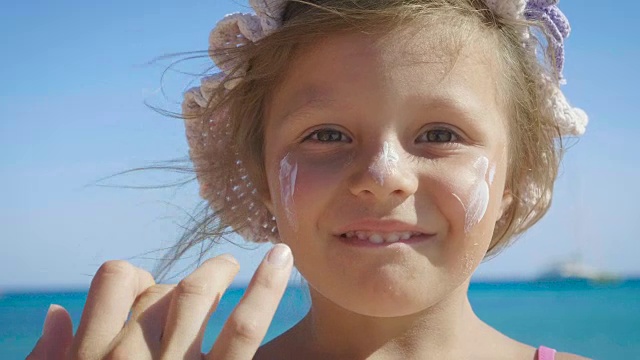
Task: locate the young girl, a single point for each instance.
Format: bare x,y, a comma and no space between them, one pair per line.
391,145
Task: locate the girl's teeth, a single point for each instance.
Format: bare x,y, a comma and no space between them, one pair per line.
379,238
393,237
376,239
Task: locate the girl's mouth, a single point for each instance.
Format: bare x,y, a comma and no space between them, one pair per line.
377,238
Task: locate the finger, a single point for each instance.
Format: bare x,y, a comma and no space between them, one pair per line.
193,301
113,290
151,308
57,335
246,327
142,333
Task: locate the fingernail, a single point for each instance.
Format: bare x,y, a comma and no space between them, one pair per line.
229,258
279,255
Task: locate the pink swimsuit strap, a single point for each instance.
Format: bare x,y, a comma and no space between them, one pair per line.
545,353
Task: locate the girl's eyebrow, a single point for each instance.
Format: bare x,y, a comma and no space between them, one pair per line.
314,99
308,100
467,108
459,100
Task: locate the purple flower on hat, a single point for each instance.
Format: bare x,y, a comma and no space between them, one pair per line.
555,23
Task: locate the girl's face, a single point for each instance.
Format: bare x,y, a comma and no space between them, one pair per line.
386,163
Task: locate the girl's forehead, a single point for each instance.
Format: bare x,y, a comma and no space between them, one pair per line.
418,68
437,45
362,53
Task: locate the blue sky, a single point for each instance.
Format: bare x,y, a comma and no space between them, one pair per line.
74,79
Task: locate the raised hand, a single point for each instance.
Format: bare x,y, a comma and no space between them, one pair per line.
167,321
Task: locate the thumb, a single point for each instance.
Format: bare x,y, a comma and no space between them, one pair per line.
57,335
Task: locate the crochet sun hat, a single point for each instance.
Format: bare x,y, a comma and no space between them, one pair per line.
210,137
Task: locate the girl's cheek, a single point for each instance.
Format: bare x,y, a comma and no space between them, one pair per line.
303,181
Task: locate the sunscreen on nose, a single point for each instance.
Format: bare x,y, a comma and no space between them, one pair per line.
386,163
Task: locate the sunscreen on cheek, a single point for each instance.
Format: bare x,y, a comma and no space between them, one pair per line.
385,164
478,195
288,174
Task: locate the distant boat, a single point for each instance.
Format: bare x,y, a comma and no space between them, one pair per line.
575,269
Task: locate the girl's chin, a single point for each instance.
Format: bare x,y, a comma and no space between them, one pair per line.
384,308
378,299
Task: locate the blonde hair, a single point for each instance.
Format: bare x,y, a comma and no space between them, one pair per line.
535,145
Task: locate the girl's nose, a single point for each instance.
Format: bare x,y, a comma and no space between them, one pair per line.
387,173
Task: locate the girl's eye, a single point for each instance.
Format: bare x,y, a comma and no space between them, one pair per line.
327,135
439,136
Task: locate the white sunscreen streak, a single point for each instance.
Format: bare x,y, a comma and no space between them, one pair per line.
288,174
385,163
479,196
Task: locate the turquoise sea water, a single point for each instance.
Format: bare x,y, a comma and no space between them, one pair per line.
601,321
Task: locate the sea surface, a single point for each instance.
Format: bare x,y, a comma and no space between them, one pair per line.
597,320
